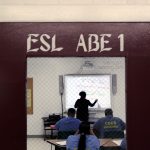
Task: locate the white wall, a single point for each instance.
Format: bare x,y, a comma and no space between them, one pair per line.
74,10
73,2
45,73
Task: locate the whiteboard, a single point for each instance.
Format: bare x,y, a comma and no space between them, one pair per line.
95,86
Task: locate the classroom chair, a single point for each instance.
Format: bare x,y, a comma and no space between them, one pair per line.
113,134
65,134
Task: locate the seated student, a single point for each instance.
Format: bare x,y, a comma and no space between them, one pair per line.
108,124
84,139
123,144
69,123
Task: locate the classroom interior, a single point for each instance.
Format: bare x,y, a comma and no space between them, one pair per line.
45,72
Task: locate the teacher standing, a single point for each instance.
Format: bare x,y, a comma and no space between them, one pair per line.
82,106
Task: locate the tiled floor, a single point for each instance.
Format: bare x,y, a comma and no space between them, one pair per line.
38,144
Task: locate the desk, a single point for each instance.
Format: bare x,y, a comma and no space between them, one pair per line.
47,126
103,142
53,142
51,129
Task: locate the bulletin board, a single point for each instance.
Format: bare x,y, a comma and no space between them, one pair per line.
29,95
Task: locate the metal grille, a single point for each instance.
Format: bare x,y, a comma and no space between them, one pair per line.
46,97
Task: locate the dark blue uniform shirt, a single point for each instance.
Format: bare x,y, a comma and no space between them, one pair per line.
67,124
109,123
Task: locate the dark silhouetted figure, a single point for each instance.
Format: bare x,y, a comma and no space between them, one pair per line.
82,107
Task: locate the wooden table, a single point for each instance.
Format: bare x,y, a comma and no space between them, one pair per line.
103,142
51,129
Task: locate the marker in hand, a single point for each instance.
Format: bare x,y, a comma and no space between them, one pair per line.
96,100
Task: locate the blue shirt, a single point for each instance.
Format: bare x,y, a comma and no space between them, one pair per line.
67,124
92,143
123,144
109,123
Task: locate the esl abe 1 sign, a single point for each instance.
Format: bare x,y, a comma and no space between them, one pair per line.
95,43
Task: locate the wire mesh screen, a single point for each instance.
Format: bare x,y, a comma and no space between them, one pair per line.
47,96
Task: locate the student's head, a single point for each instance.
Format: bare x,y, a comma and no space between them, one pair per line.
71,112
84,129
82,94
108,112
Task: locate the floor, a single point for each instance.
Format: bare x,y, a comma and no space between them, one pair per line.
38,144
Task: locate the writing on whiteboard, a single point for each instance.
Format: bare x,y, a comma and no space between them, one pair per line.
95,86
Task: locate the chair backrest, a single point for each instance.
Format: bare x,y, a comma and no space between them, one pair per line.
113,134
65,134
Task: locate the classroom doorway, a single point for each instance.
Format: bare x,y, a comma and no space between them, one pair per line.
43,93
